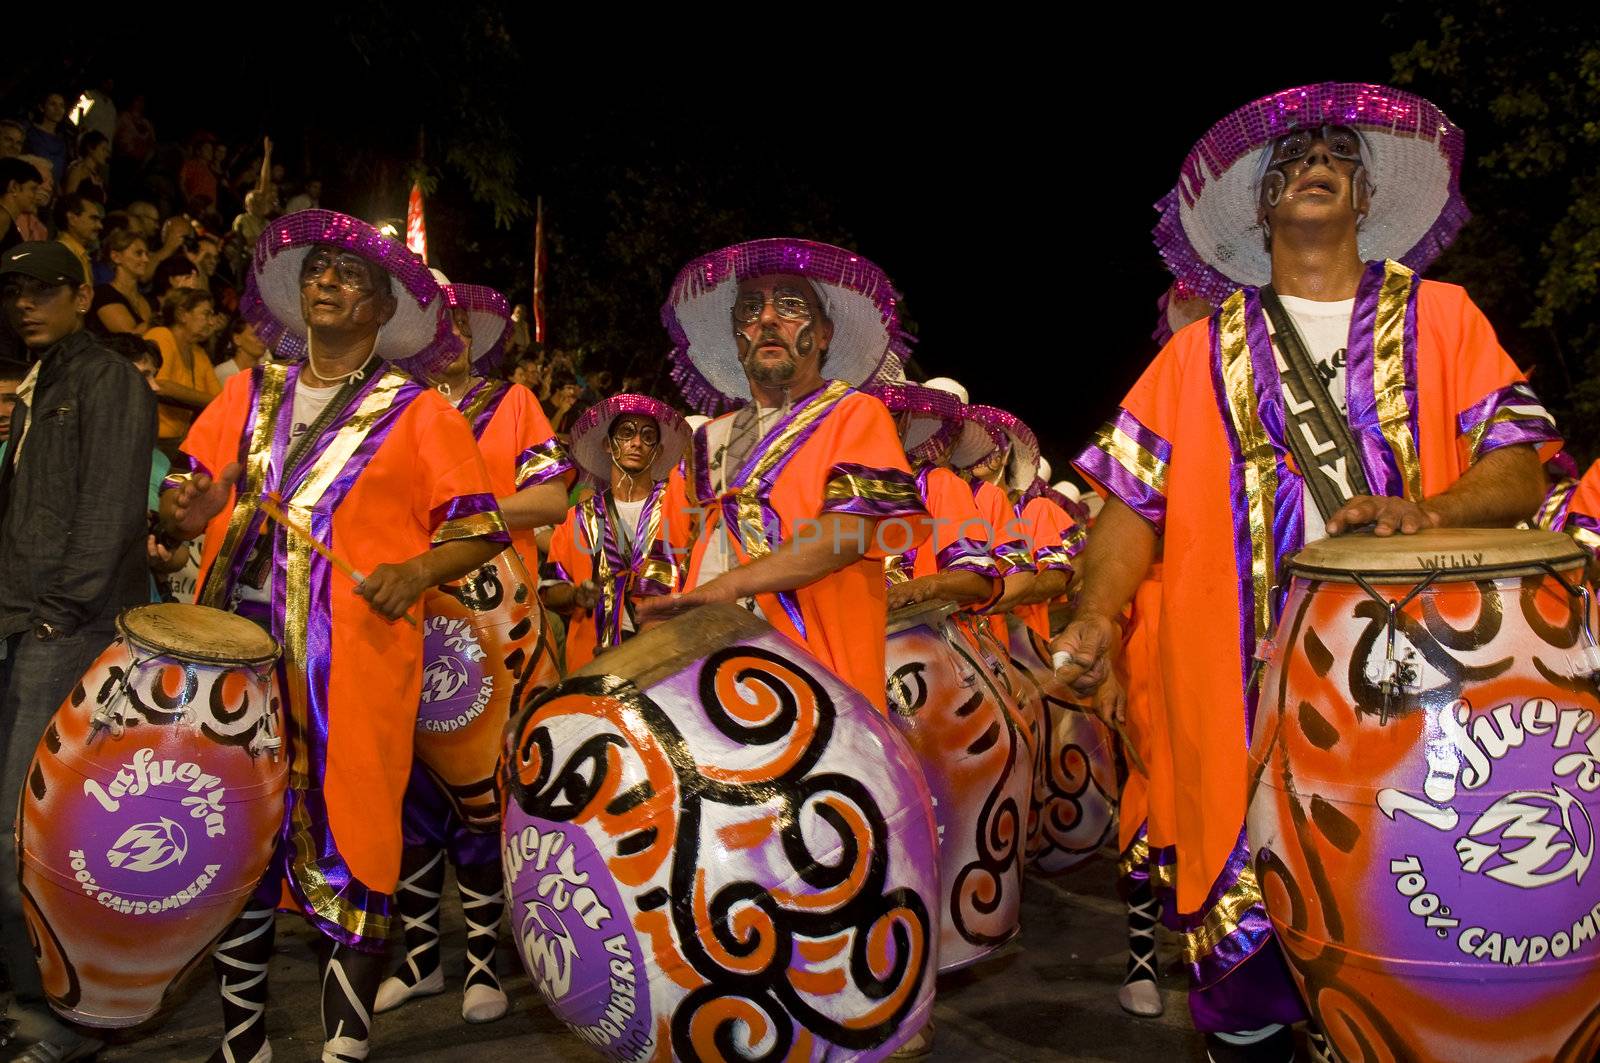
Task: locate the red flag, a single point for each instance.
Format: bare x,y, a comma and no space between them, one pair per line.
416,231
539,266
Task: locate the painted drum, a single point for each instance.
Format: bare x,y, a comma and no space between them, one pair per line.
1424,761
485,651
1075,771
152,806
977,755
714,849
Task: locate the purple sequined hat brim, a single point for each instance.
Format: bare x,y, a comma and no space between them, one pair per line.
936,417
590,430
1022,468
859,301
418,336
1208,234
490,317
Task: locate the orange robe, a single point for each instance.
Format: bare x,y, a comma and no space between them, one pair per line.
1197,450
395,474
1581,516
1047,529
1008,543
519,448
1144,809
960,540
836,451
586,547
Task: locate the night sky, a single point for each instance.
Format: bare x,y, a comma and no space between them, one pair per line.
1005,184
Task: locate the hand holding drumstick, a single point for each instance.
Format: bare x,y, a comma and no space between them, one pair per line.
391,590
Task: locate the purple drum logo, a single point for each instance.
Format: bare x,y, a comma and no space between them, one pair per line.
149,847
567,911
456,687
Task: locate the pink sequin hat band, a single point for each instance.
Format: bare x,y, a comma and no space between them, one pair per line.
936,417
1208,232
418,336
857,298
490,318
1022,465
590,443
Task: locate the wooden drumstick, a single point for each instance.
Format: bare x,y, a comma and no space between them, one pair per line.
269,504
1060,660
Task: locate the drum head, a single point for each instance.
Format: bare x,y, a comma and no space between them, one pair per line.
198,633
661,651
929,613
1462,554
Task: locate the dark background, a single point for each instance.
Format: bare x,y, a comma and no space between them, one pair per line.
1002,176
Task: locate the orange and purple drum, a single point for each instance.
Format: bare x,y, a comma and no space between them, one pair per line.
1424,761
485,651
715,849
151,809
977,757
1075,772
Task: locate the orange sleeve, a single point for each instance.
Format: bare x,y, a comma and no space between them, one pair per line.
1492,404
540,456
1583,512
864,471
565,564
452,495
1130,454
212,442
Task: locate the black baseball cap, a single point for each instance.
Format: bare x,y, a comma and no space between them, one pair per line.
44,260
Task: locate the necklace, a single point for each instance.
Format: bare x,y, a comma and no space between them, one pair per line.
311,357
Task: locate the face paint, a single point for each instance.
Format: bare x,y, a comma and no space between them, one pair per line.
791,327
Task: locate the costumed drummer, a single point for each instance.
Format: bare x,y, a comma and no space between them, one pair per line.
1305,217
1034,524
384,473
629,539
974,445
955,564
73,477
530,472
801,483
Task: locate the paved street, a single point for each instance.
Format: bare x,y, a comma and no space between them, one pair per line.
1050,995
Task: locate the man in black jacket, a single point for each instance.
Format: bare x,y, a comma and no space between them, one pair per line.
72,554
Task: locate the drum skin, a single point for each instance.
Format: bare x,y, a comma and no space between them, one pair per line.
1075,772
977,756
1429,868
139,848
484,652
720,851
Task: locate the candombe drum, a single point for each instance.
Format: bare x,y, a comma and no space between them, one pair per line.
1075,773
714,849
152,806
485,650
977,757
1424,762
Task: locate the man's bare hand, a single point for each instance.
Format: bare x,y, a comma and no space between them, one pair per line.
1110,702
912,592
200,498
1081,654
586,595
392,590
1388,514
665,607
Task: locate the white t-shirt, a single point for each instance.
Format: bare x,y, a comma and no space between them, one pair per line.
628,514
225,369
309,402
1325,328
720,556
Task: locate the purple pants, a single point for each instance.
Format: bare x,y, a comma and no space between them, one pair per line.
429,821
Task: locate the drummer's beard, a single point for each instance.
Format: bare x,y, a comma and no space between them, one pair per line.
782,372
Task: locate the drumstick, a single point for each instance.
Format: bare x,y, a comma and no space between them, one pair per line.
1060,660
270,506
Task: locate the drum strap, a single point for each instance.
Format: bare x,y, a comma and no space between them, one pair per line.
1317,433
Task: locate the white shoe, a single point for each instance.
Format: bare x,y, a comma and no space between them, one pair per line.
484,1003
1141,998
394,992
